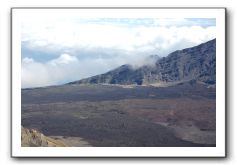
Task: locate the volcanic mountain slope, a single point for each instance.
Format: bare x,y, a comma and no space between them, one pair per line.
195,63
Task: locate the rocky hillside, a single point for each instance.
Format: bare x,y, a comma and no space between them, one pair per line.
195,63
33,138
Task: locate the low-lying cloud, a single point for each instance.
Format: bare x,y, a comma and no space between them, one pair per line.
61,70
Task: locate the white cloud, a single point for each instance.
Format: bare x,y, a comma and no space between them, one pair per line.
88,49
62,70
27,60
63,59
34,74
92,36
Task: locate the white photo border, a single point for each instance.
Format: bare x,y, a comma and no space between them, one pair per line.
130,12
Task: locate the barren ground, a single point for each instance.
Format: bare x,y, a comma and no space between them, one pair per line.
100,115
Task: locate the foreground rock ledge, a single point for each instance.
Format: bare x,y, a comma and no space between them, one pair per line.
33,138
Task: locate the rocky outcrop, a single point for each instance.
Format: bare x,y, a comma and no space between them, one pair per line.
196,63
33,138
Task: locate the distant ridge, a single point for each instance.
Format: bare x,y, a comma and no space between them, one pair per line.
195,63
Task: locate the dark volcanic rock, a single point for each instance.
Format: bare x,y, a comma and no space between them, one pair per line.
195,63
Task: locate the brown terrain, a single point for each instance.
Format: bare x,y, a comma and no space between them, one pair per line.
107,115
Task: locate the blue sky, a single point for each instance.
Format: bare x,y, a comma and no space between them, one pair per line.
61,50
203,22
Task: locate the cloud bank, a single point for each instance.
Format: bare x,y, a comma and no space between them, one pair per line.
57,51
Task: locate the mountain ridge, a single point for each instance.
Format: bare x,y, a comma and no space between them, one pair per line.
194,63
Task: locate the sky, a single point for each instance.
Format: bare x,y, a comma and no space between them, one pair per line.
57,50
